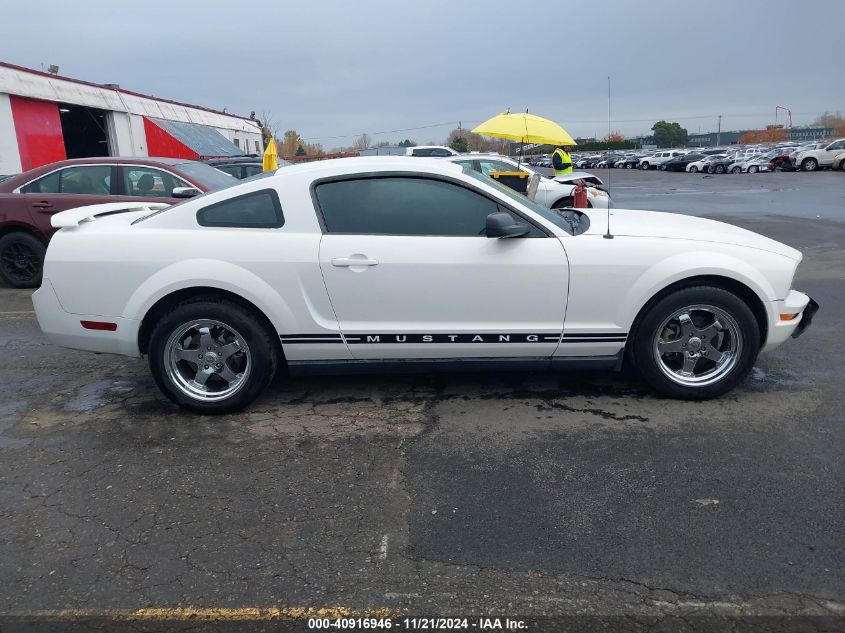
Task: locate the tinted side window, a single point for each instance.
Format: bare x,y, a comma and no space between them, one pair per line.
91,180
232,170
150,182
45,184
402,206
259,209
94,180
489,166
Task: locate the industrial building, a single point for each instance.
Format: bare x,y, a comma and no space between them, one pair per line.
721,139
45,117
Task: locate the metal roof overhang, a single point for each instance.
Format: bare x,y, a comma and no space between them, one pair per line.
203,140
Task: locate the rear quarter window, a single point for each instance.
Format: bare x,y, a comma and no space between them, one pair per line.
258,209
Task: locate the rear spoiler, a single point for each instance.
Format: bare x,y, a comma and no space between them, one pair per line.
75,217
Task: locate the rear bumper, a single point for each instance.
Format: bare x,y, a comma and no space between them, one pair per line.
65,329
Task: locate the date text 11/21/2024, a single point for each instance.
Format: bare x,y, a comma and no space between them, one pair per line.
419,624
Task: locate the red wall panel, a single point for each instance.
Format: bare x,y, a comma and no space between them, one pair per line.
38,128
160,143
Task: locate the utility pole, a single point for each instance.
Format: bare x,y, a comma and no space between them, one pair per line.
719,133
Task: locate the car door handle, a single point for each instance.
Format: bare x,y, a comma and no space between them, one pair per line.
43,205
353,261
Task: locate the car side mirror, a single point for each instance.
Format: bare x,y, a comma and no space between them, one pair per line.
502,225
184,192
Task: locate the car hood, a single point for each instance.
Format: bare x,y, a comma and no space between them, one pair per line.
634,223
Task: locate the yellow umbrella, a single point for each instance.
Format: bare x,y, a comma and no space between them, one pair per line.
271,156
524,127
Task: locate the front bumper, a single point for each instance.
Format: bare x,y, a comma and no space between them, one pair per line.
806,318
780,330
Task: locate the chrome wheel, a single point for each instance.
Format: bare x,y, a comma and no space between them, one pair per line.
207,360
697,345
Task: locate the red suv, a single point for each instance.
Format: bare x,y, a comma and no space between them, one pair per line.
28,200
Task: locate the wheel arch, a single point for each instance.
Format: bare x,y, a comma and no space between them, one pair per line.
742,290
199,293
15,227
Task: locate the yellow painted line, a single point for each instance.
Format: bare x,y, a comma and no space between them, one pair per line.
208,614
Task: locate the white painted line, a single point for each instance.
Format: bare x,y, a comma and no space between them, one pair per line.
382,549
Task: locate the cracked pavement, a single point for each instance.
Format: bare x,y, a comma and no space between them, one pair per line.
528,494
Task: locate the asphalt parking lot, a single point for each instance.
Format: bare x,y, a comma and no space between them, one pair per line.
524,494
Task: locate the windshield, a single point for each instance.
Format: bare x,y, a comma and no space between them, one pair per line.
211,178
548,214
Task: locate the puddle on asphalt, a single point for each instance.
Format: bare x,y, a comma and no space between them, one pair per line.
97,394
761,378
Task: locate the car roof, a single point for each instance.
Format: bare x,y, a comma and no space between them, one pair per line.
473,156
365,164
15,181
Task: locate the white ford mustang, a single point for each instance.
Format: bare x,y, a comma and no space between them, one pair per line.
392,263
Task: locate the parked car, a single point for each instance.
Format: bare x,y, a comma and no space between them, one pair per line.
811,160
702,164
241,167
554,193
782,163
341,265
838,162
28,200
720,165
587,162
631,162
740,164
679,163
430,150
757,164
658,158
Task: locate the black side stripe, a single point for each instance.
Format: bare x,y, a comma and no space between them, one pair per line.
488,337
297,339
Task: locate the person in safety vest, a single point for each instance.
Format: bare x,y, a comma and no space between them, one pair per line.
561,161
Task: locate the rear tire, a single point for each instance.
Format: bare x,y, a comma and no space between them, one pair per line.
21,259
644,166
693,169
236,355
715,314
753,169
719,169
809,164
736,170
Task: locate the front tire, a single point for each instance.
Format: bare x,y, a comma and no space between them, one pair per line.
753,169
719,169
696,343
809,164
21,259
693,169
736,170
212,356
644,166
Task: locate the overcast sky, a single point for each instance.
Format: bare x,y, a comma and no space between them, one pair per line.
336,69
